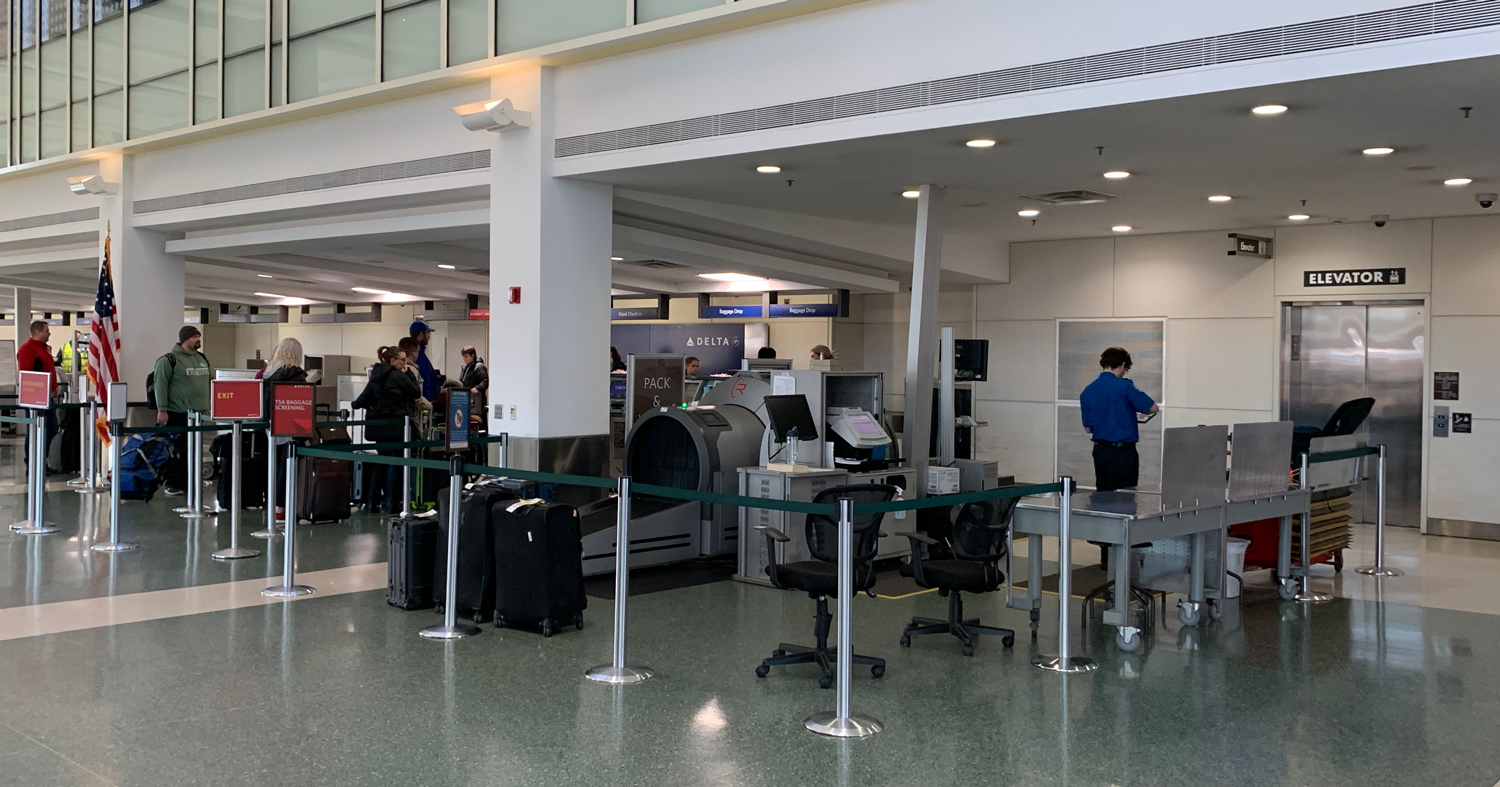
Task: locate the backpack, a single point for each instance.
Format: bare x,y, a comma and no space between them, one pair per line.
151,379
142,458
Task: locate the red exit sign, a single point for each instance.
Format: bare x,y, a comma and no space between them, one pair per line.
236,400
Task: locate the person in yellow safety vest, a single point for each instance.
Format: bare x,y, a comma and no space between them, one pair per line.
65,359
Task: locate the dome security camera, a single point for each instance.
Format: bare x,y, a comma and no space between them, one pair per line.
1380,219
1486,201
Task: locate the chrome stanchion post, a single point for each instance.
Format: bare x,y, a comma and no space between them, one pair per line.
191,509
31,429
271,491
235,551
1064,661
1380,569
1305,592
842,722
289,587
505,449
451,628
617,671
37,524
83,481
115,544
91,483
406,469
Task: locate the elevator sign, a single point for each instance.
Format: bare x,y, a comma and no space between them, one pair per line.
1355,278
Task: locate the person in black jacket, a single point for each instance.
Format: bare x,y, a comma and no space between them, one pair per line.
389,393
285,366
476,378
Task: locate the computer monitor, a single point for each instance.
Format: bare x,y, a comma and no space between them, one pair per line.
768,364
971,359
790,412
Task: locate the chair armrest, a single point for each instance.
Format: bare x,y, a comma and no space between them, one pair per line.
919,544
922,537
773,533
772,536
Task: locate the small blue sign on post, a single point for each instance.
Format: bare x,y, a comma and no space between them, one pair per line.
727,312
804,310
458,421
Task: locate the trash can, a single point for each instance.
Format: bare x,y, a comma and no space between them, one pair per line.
1236,566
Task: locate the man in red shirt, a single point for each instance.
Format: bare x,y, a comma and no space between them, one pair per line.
36,356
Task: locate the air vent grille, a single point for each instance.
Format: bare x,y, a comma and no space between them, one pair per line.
655,264
1074,197
1425,19
49,219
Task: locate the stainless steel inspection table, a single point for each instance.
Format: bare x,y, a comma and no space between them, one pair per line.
1283,506
1119,519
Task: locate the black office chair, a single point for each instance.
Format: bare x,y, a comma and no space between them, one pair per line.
819,577
979,544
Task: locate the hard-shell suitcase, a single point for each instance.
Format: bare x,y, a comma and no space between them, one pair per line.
63,454
323,490
538,567
413,546
476,551
252,475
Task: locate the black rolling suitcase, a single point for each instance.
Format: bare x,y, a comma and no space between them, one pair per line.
409,566
252,476
476,551
323,490
538,567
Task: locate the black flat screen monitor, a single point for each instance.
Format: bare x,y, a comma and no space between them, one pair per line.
971,360
791,412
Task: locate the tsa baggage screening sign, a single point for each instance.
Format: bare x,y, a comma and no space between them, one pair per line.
1354,278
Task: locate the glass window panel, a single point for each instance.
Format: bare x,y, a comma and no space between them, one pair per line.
244,26
28,81
109,55
206,88
81,9
54,132
4,139
206,31
158,105
244,83
81,55
334,60
81,125
109,117
276,97
652,10
107,9
523,24
308,16
158,40
28,24
467,22
54,19
411,40
55,73
28,139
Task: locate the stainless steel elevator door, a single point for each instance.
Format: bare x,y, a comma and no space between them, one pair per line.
1334,353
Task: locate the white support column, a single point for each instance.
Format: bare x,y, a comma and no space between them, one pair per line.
21,298
921,335
552,239
150,283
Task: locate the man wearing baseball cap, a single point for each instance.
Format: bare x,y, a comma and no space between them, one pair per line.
179,385
431,380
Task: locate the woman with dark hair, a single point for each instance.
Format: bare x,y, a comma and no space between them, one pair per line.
616,364
390,393
475,377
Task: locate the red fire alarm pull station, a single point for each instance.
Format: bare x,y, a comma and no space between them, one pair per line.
515,294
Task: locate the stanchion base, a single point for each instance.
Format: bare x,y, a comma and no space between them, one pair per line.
608,673
29,529
288,591
18,526
1067,667
1311,597
1381,571
268,534
190,514
91,490
235,553
80,481
113,546
856,725
456,631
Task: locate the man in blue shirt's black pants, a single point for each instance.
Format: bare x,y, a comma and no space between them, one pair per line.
1110,404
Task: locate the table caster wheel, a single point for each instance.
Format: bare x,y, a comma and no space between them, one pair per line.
777,653
1286,589
825,682
1008,642
1187,612
1127,639
877,671
762,671
905,640
1215,609
968,650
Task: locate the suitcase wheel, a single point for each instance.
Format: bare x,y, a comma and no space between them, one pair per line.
547,628
578,622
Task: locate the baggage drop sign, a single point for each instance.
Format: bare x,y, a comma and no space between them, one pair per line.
292,409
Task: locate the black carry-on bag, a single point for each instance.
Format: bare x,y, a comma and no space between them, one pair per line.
476,551
252,476
413,546
538,567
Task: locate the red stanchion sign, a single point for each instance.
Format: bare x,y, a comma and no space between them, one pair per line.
293,408
35,390
236,400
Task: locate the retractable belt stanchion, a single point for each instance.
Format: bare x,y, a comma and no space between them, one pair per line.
91,483
1305,593
31,428
616,671
842,722
271,491
85,445
289,587
451,628
1380,569
406,470
235,551
504,449
192,508
1064,661
36,524
115,544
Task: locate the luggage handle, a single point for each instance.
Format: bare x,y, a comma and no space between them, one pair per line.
527,503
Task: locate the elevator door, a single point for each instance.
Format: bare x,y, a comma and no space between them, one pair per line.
1332,353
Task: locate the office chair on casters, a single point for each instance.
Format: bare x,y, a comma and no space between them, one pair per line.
819,577
979,544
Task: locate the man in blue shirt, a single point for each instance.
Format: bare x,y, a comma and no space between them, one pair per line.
1110,404
431,382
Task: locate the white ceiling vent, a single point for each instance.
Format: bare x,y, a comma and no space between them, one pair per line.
661,265
1074,197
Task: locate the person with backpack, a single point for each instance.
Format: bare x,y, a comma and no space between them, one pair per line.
178,385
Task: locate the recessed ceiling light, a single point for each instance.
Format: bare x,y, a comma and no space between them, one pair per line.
445,266
1298,217
1028,212
1220,198
1458,181
269,295
1117,174
911,194
980,143
617,259
768,169
370,291
1266,110
730,277
263,275
1122,228
1378,151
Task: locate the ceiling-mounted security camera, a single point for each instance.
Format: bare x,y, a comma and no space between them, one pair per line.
89,184
1380,219
498,115
1486,201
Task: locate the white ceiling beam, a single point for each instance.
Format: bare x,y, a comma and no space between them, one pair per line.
701,254
379,231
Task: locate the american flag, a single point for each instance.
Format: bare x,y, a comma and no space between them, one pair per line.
104,340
